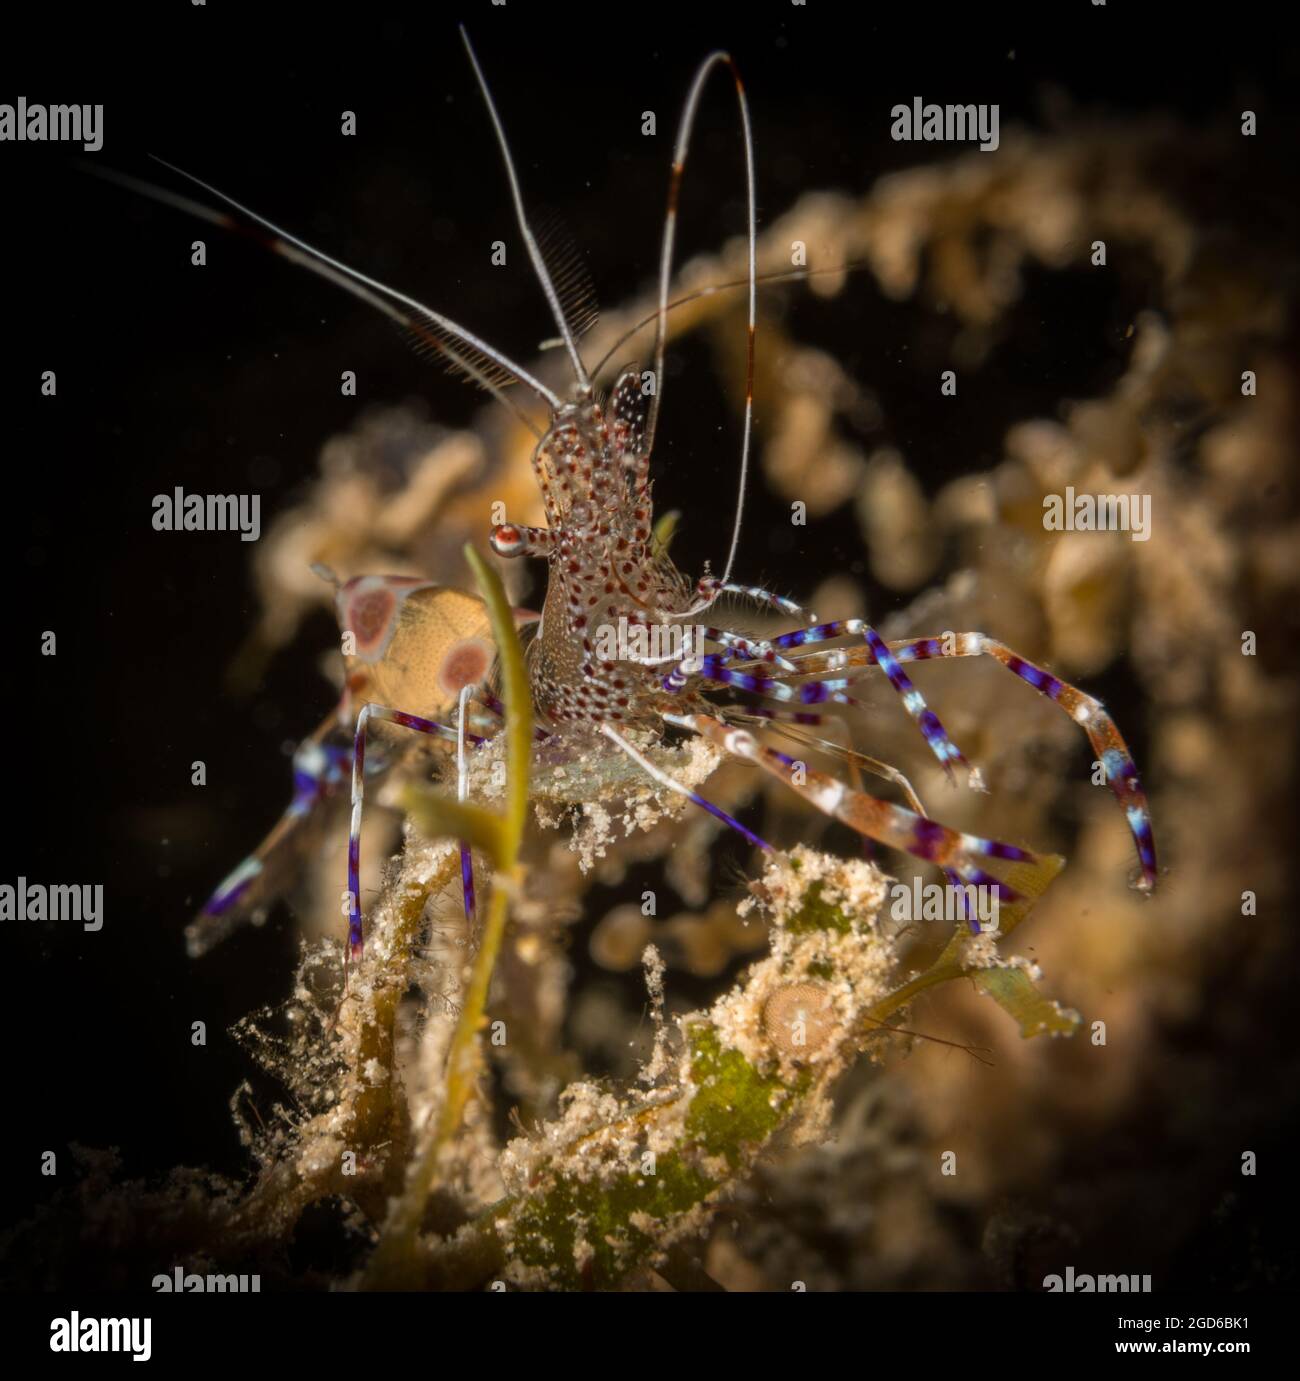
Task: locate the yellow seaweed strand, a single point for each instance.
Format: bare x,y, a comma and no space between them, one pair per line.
394,1257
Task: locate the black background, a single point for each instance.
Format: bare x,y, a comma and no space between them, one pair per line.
226,379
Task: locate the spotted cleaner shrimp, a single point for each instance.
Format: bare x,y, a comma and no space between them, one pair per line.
421,655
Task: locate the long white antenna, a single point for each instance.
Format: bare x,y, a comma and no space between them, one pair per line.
351,278
534,251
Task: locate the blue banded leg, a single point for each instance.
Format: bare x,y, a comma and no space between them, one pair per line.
890,774
748,649
319,771
791,723
927,721
694,666
492,704
467,880
804,719
826,690
712,667
462,790
751,649
1103,735
371,711
892,825
666,780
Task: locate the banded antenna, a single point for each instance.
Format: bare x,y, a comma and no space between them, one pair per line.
680,151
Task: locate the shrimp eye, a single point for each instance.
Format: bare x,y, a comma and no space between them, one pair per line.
507,540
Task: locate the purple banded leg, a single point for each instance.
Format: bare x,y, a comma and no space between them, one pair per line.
462,790
892,825
318,768
1086,711
491,703
974,876
824,691
371,711
467,880
751,649
748,649
927,721
856,760
664,779
892,774
319,771
713,668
